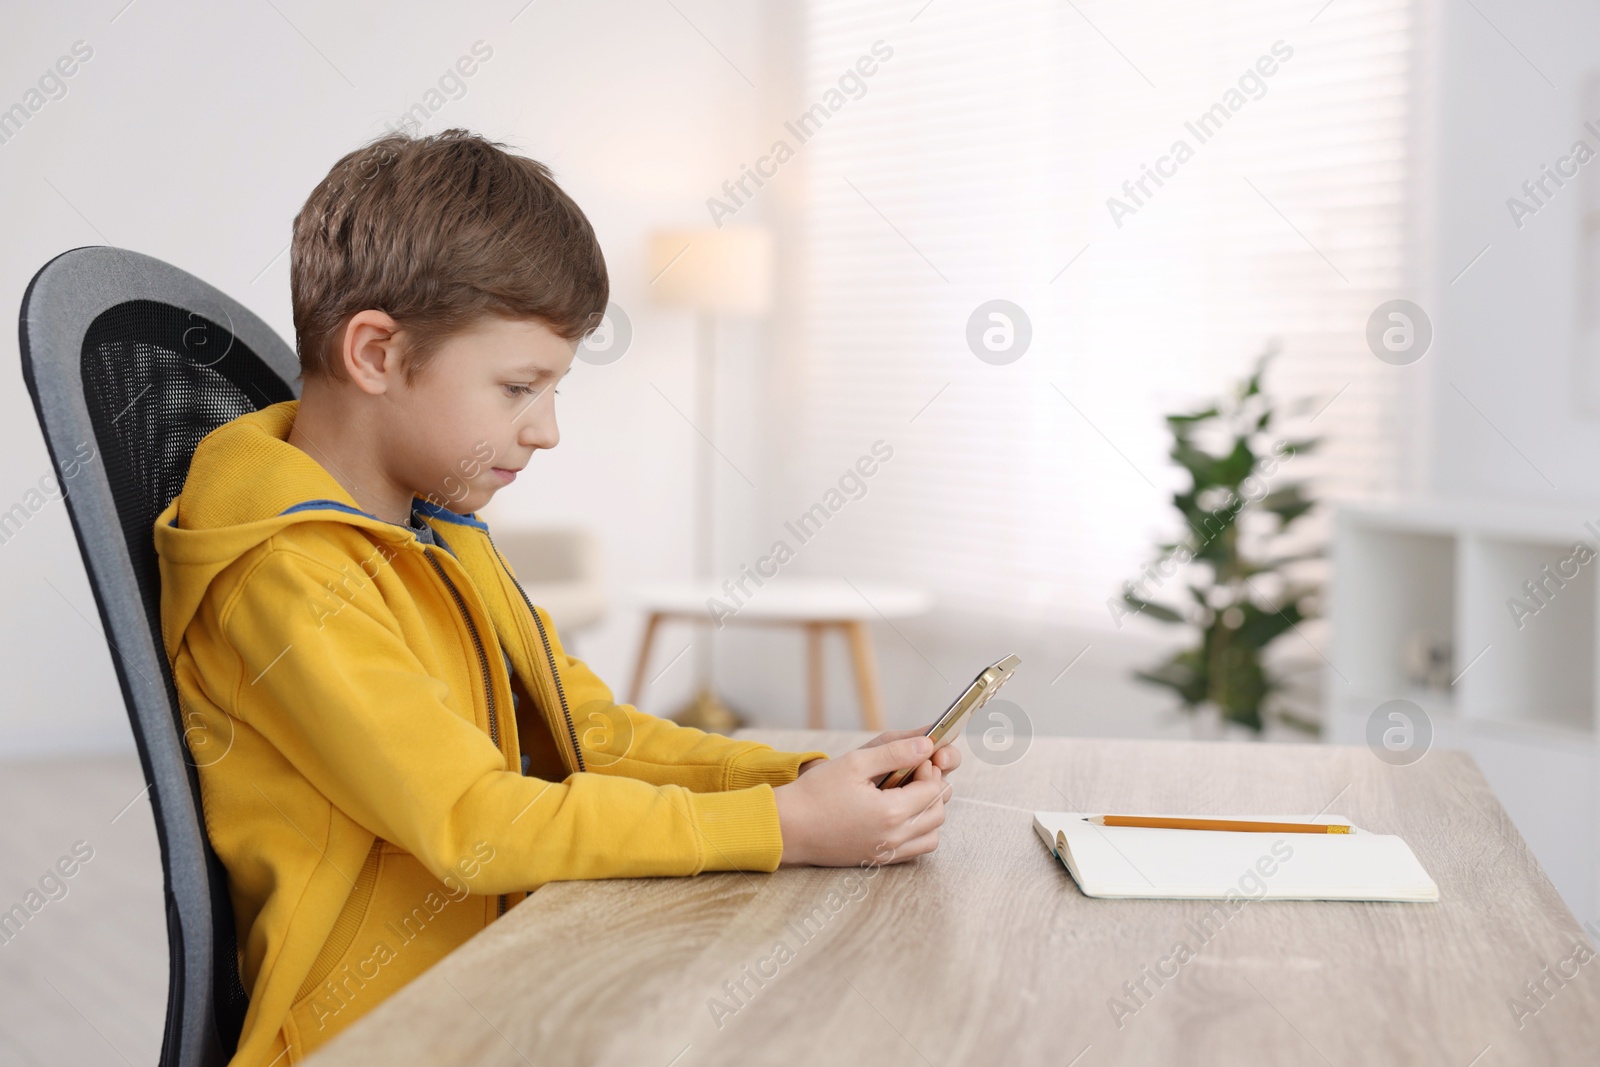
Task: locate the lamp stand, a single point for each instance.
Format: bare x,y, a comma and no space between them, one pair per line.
706,711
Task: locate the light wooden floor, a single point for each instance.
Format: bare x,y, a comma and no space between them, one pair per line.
85,981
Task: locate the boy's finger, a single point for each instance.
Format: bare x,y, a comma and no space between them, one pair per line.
895,735
920,794
881,759
918,846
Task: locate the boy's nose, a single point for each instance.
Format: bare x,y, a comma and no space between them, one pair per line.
540,433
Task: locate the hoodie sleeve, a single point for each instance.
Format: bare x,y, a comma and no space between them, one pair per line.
619,739
353,710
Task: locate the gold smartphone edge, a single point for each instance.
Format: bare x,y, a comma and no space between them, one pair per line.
990,677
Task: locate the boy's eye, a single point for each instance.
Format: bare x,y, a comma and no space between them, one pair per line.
525,390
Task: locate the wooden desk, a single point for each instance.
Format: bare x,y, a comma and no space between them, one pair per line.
986,952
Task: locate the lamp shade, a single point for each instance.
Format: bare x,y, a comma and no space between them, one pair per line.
725,271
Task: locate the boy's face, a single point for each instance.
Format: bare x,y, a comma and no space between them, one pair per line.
477,412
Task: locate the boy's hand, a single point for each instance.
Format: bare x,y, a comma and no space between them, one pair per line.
946,759
836,816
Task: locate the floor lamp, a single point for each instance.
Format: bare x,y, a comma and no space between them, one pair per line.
712,272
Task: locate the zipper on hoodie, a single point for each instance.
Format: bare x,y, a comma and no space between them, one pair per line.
483,665
550,656
477,643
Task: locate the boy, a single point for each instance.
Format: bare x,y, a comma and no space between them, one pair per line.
393,747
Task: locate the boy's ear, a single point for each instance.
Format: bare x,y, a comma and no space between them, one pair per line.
372,351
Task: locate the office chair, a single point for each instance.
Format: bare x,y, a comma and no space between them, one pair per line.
130,362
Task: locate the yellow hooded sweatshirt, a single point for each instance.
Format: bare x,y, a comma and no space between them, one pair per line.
361,707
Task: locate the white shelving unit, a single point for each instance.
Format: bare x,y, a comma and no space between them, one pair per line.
1521,698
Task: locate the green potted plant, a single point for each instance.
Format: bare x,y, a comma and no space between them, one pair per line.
1241,596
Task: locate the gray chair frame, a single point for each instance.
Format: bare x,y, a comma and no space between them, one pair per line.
64,299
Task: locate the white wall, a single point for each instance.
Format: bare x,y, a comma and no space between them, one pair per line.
195,132
1505,330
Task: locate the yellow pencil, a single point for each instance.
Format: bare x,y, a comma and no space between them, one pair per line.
1240,825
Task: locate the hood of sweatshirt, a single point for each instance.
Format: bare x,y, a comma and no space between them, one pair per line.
257,484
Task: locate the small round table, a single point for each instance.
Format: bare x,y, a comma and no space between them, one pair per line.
814,604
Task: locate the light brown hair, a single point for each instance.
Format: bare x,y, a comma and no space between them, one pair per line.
438,231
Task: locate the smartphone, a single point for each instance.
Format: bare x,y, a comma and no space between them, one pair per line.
943,732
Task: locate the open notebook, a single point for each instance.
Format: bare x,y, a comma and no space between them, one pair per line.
1125,861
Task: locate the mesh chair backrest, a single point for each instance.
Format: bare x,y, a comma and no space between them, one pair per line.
157,379
130,362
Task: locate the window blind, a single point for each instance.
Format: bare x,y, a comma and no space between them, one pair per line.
976,163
